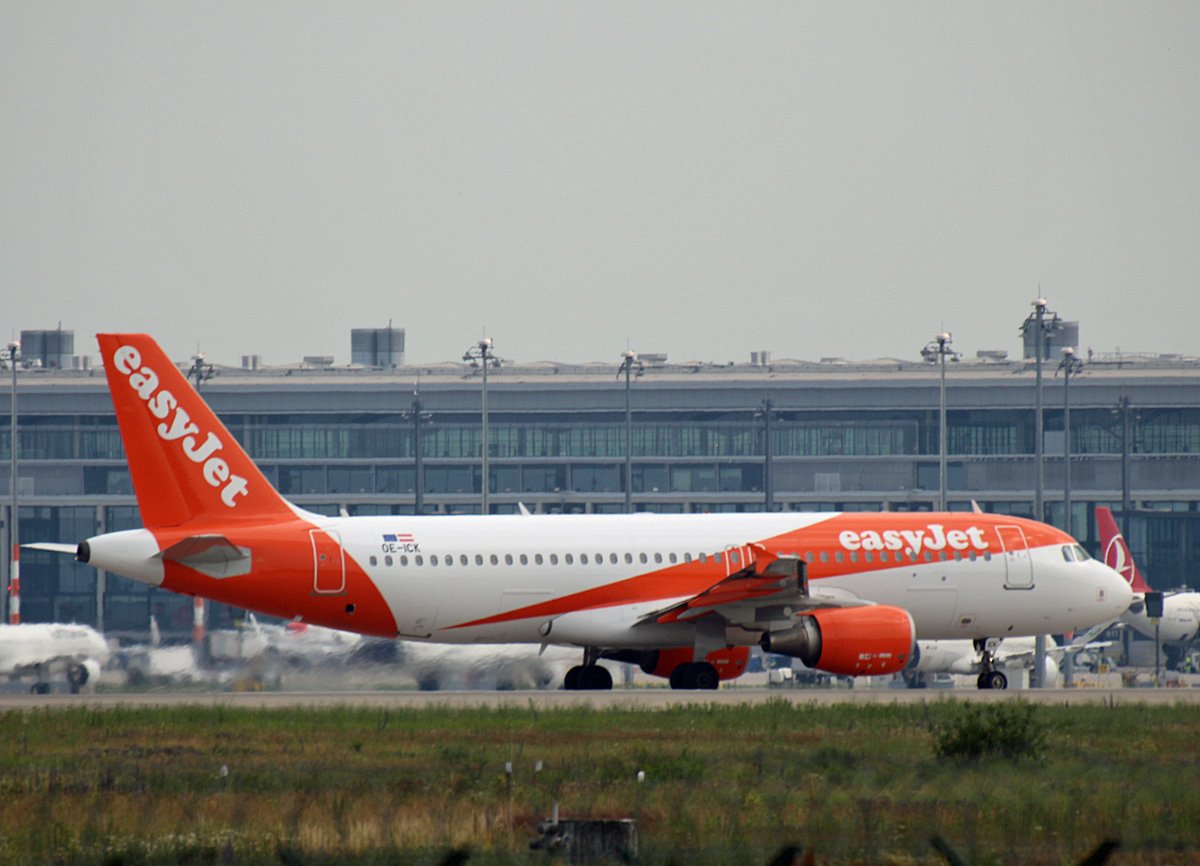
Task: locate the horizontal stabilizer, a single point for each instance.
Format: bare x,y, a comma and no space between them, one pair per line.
52,546
214,555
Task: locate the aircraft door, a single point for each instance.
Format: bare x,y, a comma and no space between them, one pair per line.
329,562
1017,562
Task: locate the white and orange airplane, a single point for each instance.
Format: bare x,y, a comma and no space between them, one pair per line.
685,596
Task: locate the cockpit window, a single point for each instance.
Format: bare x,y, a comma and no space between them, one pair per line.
1074,553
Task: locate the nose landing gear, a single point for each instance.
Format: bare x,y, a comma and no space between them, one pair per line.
990,678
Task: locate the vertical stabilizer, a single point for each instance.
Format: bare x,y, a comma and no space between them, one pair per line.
185,465
1116,552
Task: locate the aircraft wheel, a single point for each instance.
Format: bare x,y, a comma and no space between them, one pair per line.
571,680
993,680
700,675
676,678
597,678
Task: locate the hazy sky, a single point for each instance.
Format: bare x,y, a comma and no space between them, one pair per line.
701,179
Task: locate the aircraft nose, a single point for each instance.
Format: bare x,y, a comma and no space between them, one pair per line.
1114,589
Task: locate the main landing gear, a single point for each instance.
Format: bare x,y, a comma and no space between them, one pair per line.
694,675
588,676
990,678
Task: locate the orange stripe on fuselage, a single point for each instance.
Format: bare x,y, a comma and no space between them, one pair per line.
929,531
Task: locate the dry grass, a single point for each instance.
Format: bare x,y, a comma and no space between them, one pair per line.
722,784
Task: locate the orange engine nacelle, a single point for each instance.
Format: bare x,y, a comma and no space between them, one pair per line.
730,663
851,641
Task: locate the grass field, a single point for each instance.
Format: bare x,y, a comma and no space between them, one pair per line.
722,784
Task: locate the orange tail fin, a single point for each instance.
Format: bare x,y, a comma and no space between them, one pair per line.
1116,552
184,463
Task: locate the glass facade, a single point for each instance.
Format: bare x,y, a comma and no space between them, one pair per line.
874,453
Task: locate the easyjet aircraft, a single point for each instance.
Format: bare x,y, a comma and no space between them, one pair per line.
683,595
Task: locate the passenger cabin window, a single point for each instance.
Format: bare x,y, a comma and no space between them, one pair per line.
495,560
583,560
554,559
643,559
524,559
567,559
433,559
658,558
387,560
629,558
374,561
462,560
479,559
508,559
418,560
404,561
537,559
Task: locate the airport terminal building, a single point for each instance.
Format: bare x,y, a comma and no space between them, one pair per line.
791,435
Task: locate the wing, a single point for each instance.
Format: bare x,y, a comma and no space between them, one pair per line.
767,587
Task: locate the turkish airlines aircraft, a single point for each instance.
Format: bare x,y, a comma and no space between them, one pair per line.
683,595
1180,622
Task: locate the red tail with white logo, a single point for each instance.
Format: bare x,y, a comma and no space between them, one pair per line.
184,463
1116,552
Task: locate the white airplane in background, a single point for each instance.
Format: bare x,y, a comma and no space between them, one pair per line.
50,652
685,596
964,656
1180,622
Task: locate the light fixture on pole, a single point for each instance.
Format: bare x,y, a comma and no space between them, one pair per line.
14,573
200,369
1069,364
629,363
480,355
936,351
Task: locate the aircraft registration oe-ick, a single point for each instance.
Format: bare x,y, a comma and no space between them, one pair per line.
685,596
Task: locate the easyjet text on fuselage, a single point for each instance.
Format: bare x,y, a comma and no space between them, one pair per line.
933,537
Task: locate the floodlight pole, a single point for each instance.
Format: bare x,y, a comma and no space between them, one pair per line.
1039,513
939,347
483,351
629,361
1070,364
14,573
418,417
765,414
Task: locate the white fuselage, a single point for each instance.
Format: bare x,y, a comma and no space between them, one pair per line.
446,579
1179,624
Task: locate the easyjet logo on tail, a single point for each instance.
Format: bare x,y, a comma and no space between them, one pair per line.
202,450
932,537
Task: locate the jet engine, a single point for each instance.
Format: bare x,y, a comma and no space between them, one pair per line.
851,641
